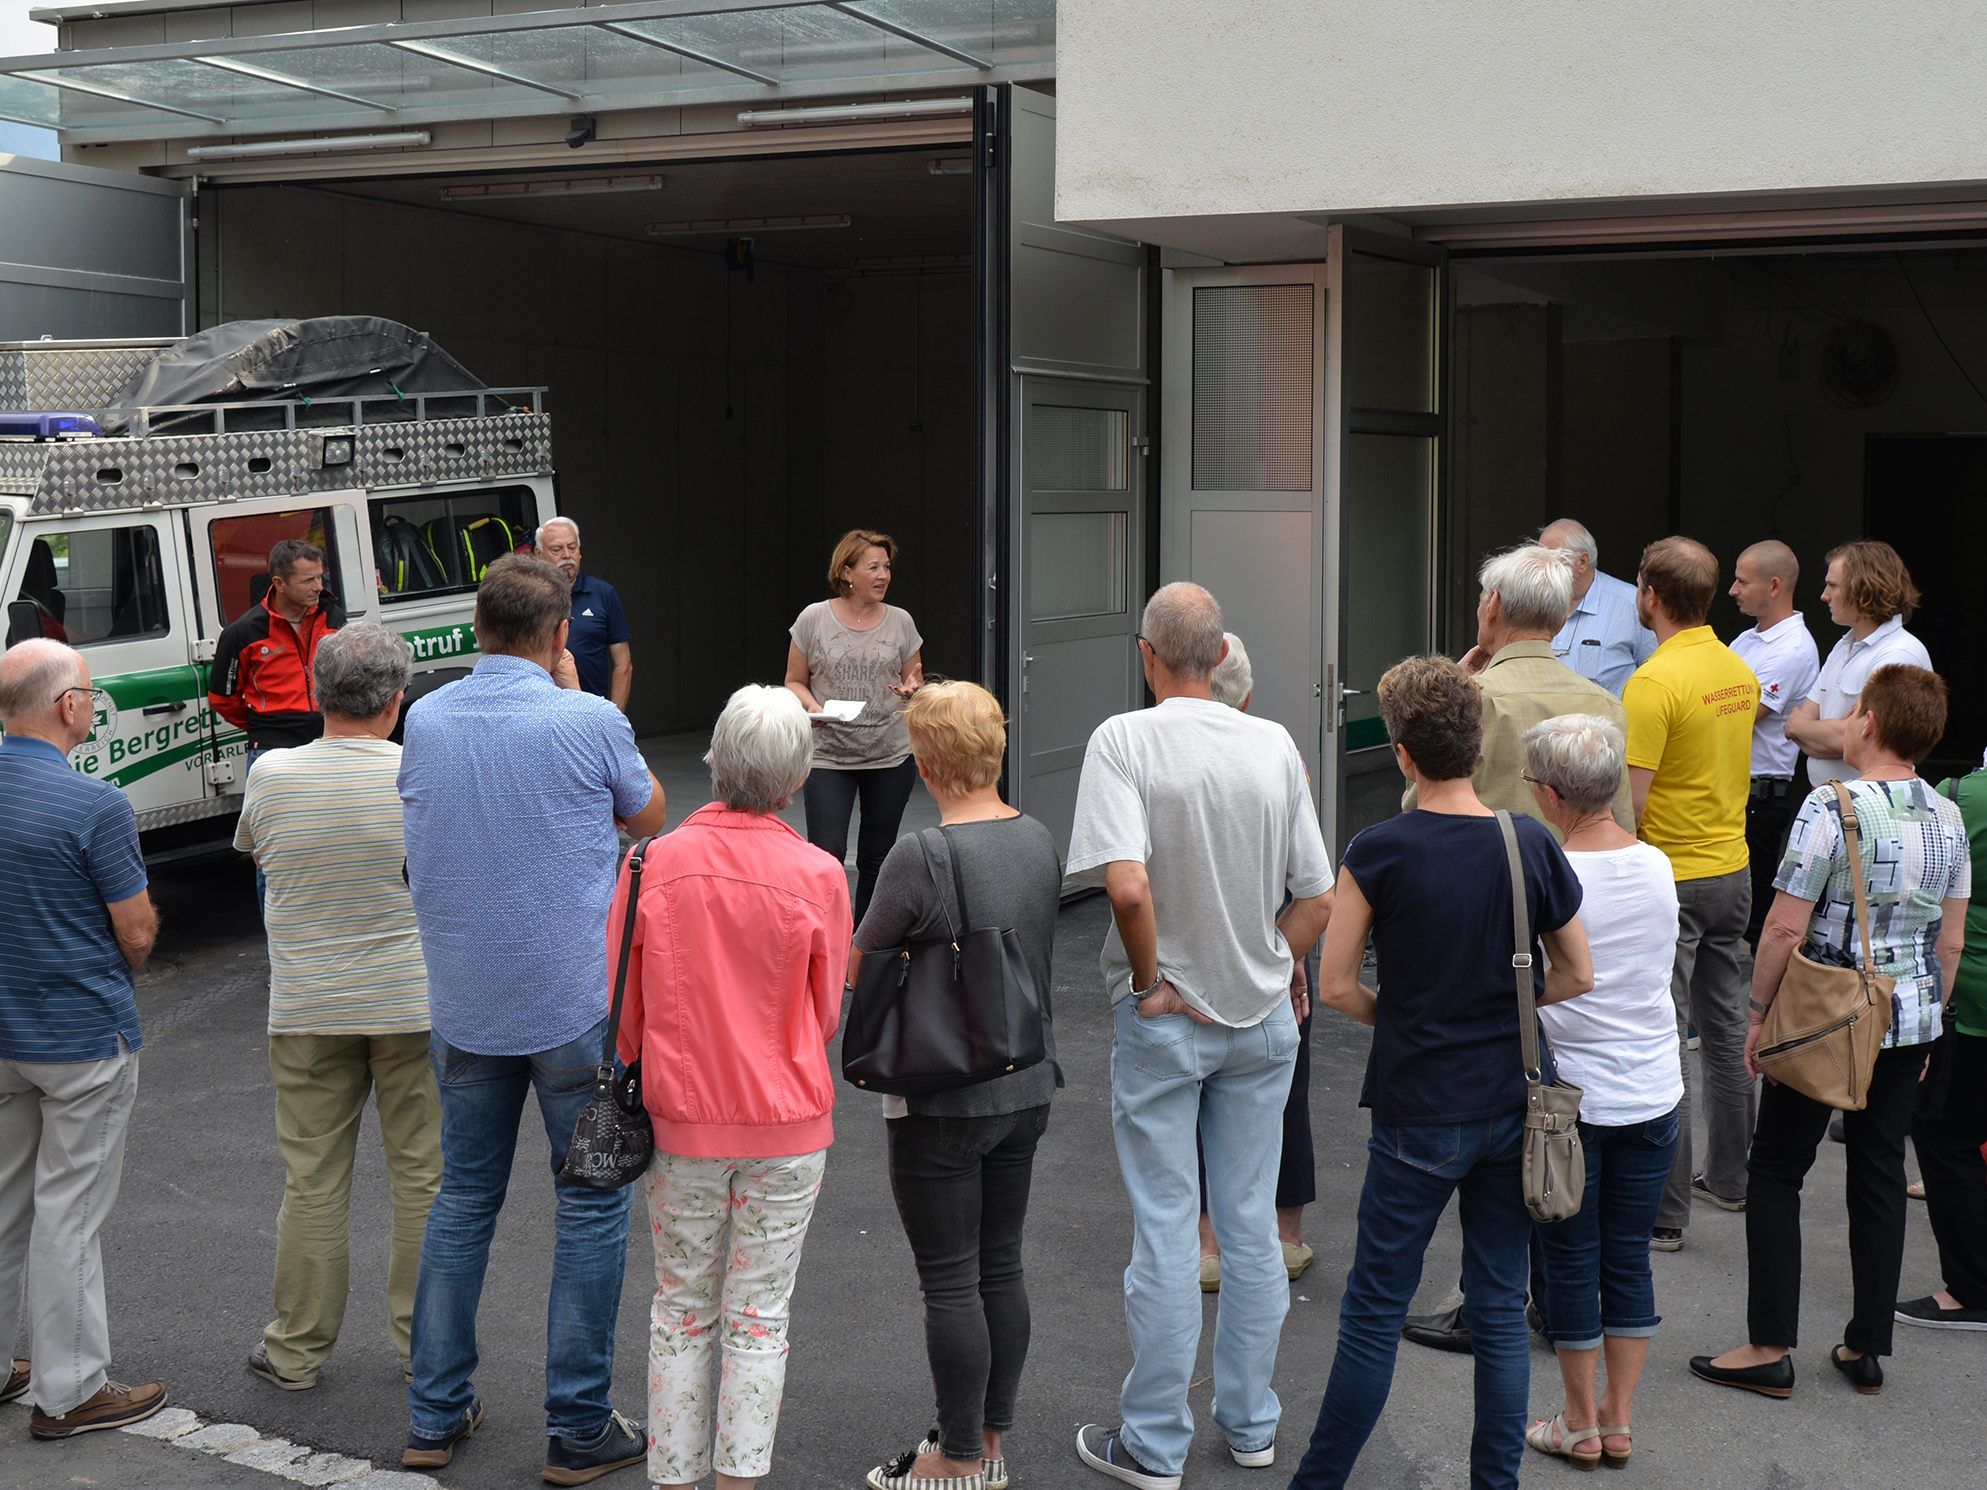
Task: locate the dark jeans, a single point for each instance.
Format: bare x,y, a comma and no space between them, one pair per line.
1410,1174
482,1105
1767,818
1956,1174
830,798
1297,1170
962,1190
1597,1262
1791,1128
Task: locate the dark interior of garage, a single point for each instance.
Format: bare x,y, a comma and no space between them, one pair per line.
1807,395
717,422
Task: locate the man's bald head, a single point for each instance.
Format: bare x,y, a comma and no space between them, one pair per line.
35,679
1182,625
1570,534
1772,559
1763,582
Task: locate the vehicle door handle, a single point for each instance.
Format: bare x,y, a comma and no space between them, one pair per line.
178,706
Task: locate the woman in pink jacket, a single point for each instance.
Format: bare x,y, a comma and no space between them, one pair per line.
734,989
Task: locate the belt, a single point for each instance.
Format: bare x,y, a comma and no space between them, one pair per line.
1771,788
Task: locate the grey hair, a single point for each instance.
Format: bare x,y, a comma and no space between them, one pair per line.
1534,582
538,537
1574,537
1233,680
359,668
32,674
761,749
1579,756
1182,624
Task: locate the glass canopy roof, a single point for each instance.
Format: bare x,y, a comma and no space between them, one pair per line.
658,54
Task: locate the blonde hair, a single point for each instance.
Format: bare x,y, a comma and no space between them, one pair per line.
958,734
855,543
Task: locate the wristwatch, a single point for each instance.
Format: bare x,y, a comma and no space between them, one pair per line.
1140,995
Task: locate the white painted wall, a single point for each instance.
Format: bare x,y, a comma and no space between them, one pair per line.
1176,108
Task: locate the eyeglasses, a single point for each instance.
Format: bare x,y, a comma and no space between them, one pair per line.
73,688
1530,780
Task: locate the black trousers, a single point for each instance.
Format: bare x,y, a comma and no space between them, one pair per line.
1791,1128
830,799
1767,820
962,1191
1297,1171
1956,1174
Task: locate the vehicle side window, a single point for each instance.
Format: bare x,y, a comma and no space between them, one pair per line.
96,584
436,544
241,553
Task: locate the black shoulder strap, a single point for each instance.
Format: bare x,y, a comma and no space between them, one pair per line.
940,883
628,914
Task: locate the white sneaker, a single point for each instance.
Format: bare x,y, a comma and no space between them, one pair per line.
1261,1458
1104,1451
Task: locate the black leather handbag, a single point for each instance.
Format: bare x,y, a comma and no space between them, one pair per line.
932,1016
613,1139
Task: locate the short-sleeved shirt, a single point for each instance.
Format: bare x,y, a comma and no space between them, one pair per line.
1445,1039
1216,805
598,623
511,786
1013,881
324,824
68,849
1970,986
1690,710
858,665
1602,640
1914,850
1847,669
1784,659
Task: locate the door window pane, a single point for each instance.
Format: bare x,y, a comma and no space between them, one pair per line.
1076,565
1076,449
1388,506
431,545
241,546
96,584
1390,335
1254,404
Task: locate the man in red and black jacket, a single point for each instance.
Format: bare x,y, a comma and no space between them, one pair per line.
262,680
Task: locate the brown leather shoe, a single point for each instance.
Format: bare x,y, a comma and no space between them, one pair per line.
114,1406
17,1380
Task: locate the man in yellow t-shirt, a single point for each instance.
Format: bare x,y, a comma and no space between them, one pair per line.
1690,712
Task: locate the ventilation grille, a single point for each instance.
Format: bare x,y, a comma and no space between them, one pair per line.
1254,404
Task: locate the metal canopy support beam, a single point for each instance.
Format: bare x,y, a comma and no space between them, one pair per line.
690,53
488,70
263,74
905,33
118,95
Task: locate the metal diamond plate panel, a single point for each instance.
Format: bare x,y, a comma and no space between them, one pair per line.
187,812
67,377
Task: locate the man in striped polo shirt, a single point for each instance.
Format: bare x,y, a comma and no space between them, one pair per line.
78,923
348,998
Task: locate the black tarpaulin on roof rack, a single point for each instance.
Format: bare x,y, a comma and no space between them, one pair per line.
302,362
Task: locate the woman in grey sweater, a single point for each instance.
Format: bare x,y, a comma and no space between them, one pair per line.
961,1161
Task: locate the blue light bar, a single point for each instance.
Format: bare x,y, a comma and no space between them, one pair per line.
17,424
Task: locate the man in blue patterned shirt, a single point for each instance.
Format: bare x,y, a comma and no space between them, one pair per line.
515,1010
78,924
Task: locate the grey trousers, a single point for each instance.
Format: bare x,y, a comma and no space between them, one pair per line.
1710,983
62,1129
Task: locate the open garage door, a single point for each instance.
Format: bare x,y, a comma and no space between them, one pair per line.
93,253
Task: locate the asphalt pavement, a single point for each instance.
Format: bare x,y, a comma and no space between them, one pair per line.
188,1255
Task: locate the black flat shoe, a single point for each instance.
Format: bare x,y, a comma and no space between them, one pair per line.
1776,1380
1442,1330
1865,1373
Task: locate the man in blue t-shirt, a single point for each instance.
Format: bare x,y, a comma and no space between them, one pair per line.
599,639
79,923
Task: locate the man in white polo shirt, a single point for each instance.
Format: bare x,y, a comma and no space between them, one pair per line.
1782,656
1602,640
1869,590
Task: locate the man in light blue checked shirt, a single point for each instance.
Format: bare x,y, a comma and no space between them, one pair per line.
1602,640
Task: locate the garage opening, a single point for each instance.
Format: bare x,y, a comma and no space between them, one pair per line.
1811,395
745,358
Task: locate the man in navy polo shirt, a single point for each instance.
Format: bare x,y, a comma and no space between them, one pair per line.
78,924
599,640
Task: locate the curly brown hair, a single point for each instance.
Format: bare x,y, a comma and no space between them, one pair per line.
1432,708
1909,705
1875,582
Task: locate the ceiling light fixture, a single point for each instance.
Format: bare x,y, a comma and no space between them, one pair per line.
329,144
700,227
957,166
598,186
853,113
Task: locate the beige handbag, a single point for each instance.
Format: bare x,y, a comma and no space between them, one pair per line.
1555,1165
1824,1028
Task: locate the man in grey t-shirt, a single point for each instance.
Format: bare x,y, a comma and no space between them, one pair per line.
1196,819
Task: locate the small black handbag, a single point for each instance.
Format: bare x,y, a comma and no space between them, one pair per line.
931,1016
613,1139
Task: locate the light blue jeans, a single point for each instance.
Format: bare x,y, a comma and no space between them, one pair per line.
1167,1075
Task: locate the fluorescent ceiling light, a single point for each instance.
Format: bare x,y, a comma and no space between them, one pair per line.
579,186
700,227
957,166
250,149
848,113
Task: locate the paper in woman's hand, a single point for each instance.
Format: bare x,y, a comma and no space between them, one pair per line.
840,709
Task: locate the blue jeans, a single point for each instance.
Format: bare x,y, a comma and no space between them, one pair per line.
1410,1174
482,1104
1597,1263
1167,1075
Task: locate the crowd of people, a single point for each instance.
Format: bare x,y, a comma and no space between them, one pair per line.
1598,765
